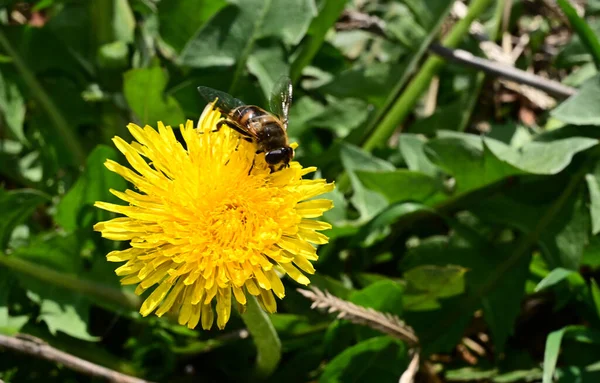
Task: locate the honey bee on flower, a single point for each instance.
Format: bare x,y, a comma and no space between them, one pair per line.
202,229
268,131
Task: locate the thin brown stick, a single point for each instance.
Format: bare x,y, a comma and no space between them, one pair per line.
355,20
33,346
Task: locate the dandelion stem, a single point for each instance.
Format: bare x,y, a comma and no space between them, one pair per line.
268,345
103,293
58,120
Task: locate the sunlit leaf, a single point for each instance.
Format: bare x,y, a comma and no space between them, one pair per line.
144,91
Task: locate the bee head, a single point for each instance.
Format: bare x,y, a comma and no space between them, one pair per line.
280,155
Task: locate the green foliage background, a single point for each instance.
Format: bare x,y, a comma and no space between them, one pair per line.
487,237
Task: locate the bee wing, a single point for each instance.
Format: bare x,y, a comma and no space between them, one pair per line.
281,99
225,102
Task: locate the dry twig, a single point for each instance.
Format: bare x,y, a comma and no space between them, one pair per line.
351,20
33,346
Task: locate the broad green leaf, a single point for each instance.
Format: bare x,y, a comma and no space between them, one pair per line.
227,37
380,359
565,236
180,19
545,157
341,116
268,63
16,207
12,105
428,283
412,148
472,164
476,162
367,202
288,20
371,83
494,282
580,109
384,296
76,207
379,227
303,110
400,185
69,315
144,92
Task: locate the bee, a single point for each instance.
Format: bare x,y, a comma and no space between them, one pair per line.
267,130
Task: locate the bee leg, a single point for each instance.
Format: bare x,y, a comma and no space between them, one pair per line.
247,139
254,159
233,125
251,166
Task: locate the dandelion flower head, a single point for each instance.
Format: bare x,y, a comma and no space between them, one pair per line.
201,228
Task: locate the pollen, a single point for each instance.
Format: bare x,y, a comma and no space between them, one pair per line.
207,222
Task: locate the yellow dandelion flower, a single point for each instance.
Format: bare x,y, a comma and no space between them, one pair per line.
202,229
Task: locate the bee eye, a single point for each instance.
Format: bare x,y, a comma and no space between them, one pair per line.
275,156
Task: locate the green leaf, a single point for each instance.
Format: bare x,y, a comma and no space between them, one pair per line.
123,21
379,227
12,105
378,359
76,207
564,238
180,19
268,64
227,37
595,292
384,296
327,15
580,109
553,344
268,345
17,206
400,185
367,202
143,90
476,162
370,83
288,20
412,148
554,277
340,116
428,283
583,30
472,164
593,184
68,314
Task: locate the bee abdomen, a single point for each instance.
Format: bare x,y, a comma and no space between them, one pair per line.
247,112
